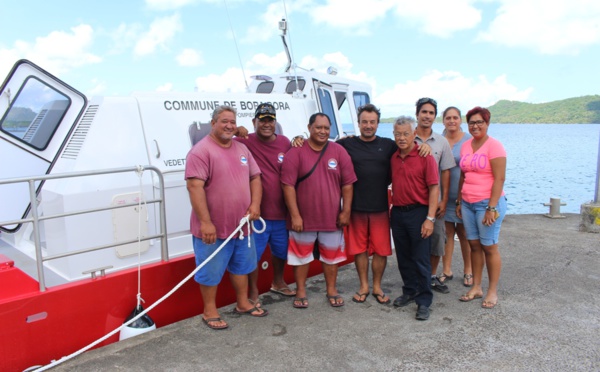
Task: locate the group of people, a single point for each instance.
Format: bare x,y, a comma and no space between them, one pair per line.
332,199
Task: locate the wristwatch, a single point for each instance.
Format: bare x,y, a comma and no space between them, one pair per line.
432,219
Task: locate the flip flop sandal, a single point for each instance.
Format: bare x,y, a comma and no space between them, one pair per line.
489,304
263,312
360,295
300,303
287,292
379,297
207,321
335,299
468,298
466,279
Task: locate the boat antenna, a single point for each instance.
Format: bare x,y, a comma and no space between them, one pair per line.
283,27
236,46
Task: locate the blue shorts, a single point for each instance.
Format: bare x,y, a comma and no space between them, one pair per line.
473,213
450,215
276,234
236,257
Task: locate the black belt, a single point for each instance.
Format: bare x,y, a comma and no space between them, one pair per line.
406,208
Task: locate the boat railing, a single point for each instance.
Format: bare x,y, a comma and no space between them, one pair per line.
35,218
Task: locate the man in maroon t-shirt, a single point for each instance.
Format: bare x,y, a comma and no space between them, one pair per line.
315,178
268,149
223,182
415,194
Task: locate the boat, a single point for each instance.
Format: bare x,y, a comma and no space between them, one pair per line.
92,194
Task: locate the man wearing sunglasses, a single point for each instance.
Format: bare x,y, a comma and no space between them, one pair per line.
442,152
268,149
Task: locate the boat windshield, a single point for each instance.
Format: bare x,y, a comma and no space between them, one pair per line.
35,113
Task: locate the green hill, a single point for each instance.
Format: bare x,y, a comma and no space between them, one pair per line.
579,110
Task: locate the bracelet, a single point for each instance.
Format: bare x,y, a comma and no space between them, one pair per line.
457,202
491,209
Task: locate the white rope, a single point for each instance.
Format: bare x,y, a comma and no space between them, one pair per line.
243,221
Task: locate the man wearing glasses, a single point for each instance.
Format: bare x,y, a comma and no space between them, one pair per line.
442,152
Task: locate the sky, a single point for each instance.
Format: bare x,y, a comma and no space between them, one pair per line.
463,53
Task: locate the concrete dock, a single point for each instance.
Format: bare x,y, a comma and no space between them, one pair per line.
547,319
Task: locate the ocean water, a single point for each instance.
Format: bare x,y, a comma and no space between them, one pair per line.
543,161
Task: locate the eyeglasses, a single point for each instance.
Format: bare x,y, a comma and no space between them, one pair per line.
479,123
425,100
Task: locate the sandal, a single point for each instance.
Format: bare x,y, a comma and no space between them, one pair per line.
210,323
488,304
380,298
469,297
252,312
360,298
445,277
300,303
468,280
335,300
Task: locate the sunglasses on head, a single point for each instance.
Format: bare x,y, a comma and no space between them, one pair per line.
425,100
265,109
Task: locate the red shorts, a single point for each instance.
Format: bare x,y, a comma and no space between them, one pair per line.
369,232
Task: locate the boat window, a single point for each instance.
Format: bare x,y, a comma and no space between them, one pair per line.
291,86
345,113
360,99
265,87
35,113
327,107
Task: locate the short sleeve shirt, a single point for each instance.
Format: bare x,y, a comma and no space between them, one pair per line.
269,157
455,171
371,160
476,166
319,195
227,173
411,178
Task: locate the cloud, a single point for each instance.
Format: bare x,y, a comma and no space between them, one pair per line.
232,79
265,28
99,88
168,4
560,27
57,52
125,36
190,58
355,15
161,32
449,88
438,17
167,87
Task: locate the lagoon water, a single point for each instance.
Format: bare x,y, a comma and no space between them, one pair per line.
543,161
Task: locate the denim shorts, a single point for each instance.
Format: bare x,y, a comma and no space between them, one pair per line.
276,234
236,257
473,214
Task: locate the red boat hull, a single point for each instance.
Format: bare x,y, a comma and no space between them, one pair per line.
39,327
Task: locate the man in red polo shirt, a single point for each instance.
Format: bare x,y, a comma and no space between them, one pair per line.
415,194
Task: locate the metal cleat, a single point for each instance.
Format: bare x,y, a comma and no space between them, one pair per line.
554,208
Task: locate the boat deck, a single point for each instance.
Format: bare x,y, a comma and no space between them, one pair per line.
548,318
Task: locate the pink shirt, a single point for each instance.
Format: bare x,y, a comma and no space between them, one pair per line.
269,157
319,195
227,172
478,170
411,178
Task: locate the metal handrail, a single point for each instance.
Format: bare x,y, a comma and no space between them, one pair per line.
35,218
